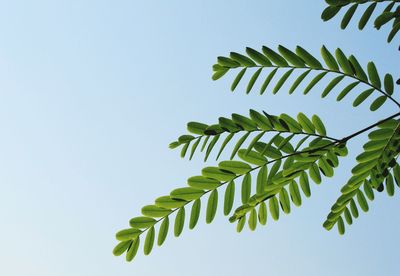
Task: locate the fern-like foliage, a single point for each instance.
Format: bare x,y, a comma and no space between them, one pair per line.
276,157
390,14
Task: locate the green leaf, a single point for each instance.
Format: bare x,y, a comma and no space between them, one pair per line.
383,18
219,74
187,193
195,213
319,126
227,62
366,16
254,141
169,203
297,82
380,134
128,234
163,231
363,96
295,193
274,208
236,167
262,213
203,183
240,224
291,57
363,167
282,80
194,147
130,255
331,85
360,73
305,184
179,222
306,123
184,149
284,201
346,90
261,121
252,157
377,103
313,82
369,192
362,201
343,62
308,58
293,125
261,180
246,188
216,173
324,166
229,198
277,59
340,225
121,247
212,205
253,80
329,12
393,32
258,57
389,84
315,174
347,216
196,128
348,15
149,241
155,211
253,220
329,59
390,185
373,75
353,208
267,81
211,146
237,79
142,222
238,144
224,143
243,60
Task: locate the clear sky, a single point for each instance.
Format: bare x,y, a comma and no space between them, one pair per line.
92,93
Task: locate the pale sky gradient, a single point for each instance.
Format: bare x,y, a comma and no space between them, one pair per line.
92,93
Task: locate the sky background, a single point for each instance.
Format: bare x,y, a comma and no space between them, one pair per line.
92,93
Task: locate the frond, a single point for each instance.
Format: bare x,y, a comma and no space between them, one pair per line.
391,12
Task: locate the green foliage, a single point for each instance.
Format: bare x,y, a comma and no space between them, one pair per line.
273,159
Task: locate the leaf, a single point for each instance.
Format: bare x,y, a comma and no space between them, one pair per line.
142,222
236,167
329,12
366,16
348,15
363,96
186,193
389,84
274,208
196,128
353,208
252,157
319,126
128,234
224,143
315,174
291,57
368,191
246,188
343,62
261,121
383,18
219,74
216,173
194,147
261,180
313,82
155,212
373,75
254,141
253,80
258,57
262,213
380,134
390,185
195,213
163,231
179,222
363,167
305,123
130,255
240,224
297,82
393,32
377,103
212,205
229,197
281,81
267,81
121,247
243,60
347,216
211,146
331,85
203,183
305,184
238,144
253,220
346,90
149,241
184,149
362,201
284,201
308,58
277,59
295,193
340,225
237,79
293,125
227,62
169,203
358,69
329,59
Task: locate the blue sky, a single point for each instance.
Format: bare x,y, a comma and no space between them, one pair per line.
92,92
